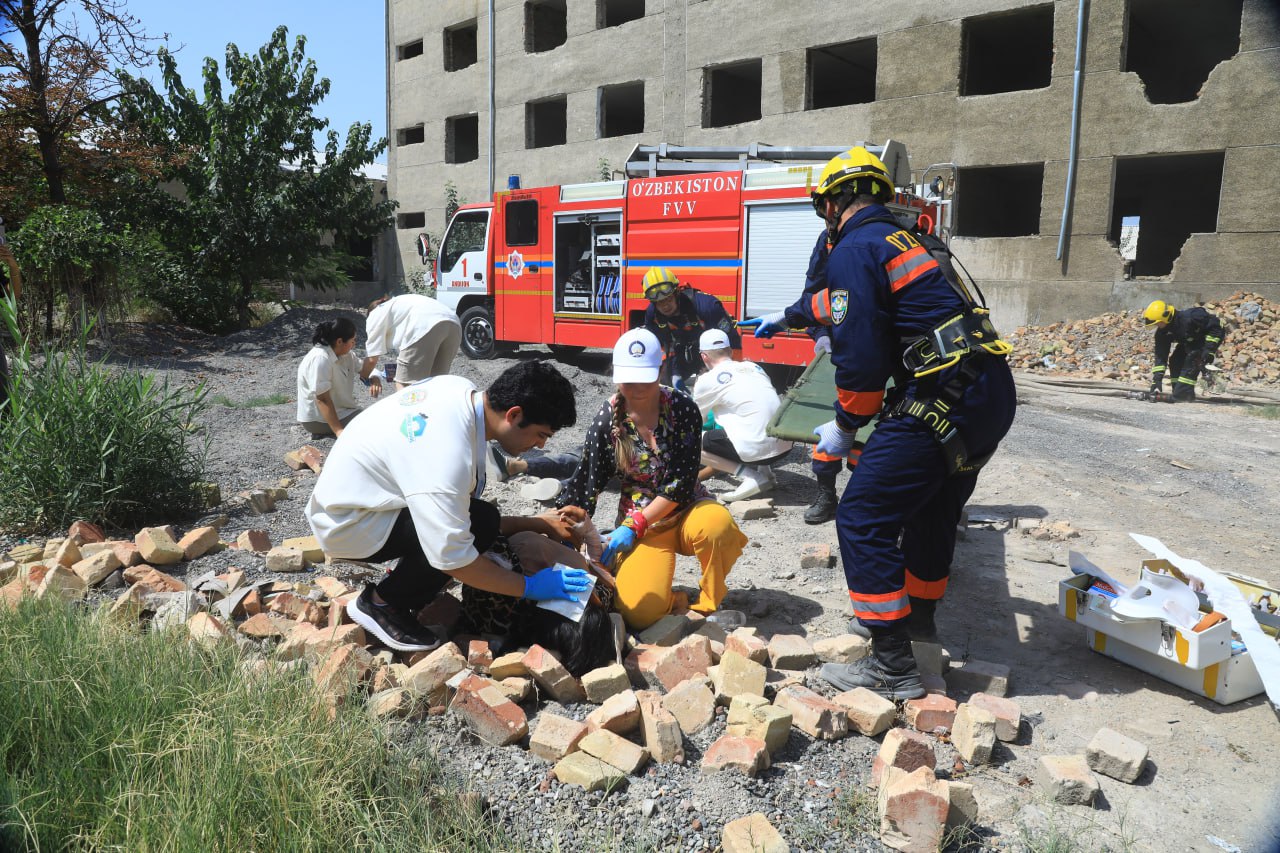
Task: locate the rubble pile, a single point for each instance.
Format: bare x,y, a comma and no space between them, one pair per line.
1116,346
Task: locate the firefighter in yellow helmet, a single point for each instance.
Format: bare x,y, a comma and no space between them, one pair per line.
893,313
678,315
1197,333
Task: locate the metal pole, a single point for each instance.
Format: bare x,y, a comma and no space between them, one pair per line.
492,100
1074,154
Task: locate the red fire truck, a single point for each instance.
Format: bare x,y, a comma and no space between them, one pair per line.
562,265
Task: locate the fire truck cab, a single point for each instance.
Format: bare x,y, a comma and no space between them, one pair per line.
562,265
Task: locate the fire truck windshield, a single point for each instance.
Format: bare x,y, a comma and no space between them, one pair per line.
466,234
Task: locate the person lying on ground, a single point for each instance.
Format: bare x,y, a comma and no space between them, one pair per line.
424,334
404,483
327,377
649,436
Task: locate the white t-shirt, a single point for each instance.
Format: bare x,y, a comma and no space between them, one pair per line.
322,371
743,400
401,320
415,449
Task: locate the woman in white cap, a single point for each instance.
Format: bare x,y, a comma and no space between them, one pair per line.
650,437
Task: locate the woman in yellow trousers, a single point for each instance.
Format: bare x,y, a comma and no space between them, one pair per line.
650,437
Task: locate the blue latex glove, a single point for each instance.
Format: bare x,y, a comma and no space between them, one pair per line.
833,440
621,540
554,583
822,344
766,326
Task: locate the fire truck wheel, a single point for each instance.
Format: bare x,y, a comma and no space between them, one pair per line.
477,333
565,350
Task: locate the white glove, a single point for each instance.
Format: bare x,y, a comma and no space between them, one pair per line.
822,344
834,440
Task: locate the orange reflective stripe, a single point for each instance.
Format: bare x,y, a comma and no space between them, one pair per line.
823,457
909,266
820,306
918,588
860,402
880,607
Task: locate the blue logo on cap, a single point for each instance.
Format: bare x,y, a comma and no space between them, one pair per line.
636,349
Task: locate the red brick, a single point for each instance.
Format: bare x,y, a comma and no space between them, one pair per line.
84,532
494,718
311,457
913,810
748,645
555,736
661,731
1007,712
931,712
337,613
258,541
905,750
152,579
688,659
479,656
266,625
812,714
127,553
552,677
620,714
196,543
747,755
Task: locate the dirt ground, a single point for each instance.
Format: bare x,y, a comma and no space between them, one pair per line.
1200,477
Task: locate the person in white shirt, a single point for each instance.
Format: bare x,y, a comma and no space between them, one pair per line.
741,397
327,377
424,334
404,481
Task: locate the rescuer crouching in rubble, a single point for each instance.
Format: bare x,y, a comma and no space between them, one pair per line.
887,301
1197,333
677,315
649,436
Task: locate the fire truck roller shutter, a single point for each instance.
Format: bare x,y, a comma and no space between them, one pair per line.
779,241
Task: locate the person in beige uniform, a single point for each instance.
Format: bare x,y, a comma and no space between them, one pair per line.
425,335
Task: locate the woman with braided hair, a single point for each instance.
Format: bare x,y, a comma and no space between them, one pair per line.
650,437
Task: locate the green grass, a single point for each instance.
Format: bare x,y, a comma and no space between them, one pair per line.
1270,412
112,739
252,402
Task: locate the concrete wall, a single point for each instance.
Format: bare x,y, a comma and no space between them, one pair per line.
919,59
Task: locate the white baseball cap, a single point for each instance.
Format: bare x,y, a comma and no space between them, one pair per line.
637,356
713,339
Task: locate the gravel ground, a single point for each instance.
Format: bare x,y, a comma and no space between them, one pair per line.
1200,476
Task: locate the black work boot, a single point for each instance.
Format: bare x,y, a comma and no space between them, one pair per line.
920,627
823,508
890,670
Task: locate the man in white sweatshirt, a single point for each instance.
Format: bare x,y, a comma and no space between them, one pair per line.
424,334
404,480
742,399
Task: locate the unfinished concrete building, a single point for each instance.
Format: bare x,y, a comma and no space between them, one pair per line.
1178,116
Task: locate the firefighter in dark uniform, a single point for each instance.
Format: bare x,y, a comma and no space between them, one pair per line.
678,315
1198,335
825,467
894,314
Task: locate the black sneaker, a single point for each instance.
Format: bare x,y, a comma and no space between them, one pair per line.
394,628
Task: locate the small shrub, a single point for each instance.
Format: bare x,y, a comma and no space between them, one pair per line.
80,440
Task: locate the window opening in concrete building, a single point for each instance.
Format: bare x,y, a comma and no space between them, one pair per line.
1173,196
731,93
409,50
999,201
1172,45
614,13
460,46
1007,52
461,139
358,262
522,222
411,135
841,74
545,123
546,25
411,220
622,109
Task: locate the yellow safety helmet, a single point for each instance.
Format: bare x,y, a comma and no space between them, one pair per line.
857,170
659,283
1157,312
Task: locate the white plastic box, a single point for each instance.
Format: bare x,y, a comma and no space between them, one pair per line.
1200,662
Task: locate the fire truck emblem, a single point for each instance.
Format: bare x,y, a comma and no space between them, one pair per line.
515,264
839,305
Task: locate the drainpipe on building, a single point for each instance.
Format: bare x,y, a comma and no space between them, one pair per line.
1074,155
492,99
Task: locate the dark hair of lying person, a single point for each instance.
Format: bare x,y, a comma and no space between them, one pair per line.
580,646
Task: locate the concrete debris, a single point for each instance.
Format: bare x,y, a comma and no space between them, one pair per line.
1118,756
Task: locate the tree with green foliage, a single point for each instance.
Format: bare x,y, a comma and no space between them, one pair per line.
256,196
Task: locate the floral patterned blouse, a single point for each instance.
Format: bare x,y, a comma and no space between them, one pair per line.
671,472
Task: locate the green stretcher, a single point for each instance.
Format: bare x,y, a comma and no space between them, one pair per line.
808,404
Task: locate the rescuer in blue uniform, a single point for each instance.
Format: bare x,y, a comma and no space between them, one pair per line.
678,315
894,314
